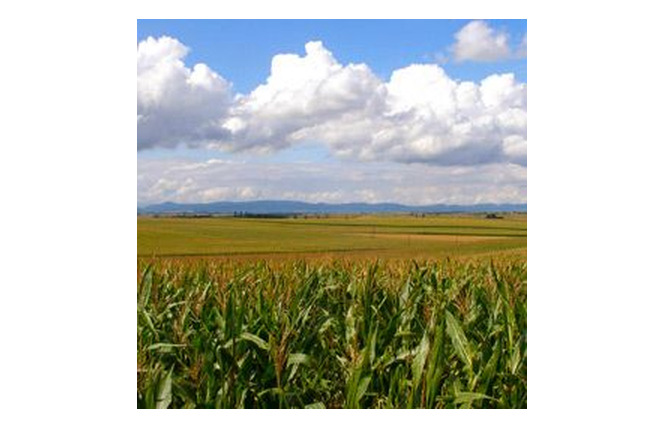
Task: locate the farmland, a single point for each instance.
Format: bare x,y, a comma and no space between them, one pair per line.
338,312
360,236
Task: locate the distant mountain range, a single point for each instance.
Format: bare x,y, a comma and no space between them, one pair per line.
297,207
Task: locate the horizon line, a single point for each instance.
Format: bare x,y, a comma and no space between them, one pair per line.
330,203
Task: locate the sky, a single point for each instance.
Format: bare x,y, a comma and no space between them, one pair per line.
409,111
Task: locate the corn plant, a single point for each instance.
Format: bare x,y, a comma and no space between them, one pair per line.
341,334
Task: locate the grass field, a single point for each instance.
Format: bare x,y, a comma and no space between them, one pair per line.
361,236
363,312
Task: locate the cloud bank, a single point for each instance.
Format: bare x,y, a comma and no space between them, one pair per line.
187,181
419,115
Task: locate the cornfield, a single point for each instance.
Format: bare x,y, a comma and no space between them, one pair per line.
341,334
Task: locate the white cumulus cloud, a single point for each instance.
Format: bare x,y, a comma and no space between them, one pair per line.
300,93
425,116
419,115
177,104
477,41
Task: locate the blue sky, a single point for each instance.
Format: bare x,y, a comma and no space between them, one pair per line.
446,95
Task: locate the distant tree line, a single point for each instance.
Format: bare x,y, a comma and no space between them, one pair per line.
245,214
493,215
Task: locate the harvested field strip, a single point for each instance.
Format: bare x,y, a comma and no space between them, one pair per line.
313,223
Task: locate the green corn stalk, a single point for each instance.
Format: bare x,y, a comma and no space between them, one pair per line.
328,335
